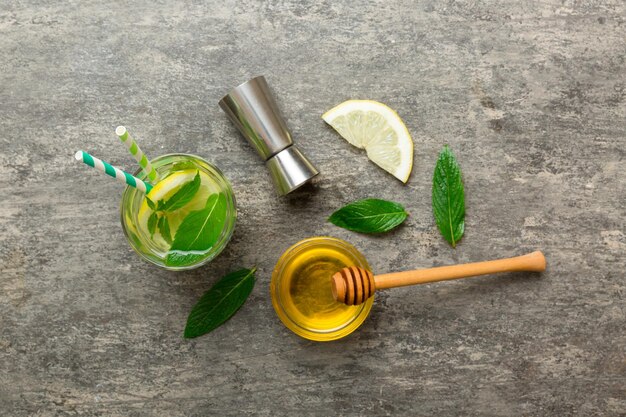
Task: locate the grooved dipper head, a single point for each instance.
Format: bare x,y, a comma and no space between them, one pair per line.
353,285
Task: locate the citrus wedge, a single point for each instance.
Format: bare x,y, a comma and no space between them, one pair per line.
165,189
378,129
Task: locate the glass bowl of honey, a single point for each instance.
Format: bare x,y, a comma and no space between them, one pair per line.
301,289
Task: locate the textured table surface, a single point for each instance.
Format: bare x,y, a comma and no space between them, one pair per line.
530,95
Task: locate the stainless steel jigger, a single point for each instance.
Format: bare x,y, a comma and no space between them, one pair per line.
253,110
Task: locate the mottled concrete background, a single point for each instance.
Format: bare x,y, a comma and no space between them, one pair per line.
530,95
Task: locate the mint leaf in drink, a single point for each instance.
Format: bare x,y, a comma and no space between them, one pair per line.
220,303
369,216
198,232
184,194
164,229
152,222
150,204
183,166
160,205
448,197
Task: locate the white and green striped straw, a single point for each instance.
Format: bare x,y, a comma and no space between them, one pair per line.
116,173
139,156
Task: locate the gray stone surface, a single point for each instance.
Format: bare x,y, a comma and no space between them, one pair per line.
530,95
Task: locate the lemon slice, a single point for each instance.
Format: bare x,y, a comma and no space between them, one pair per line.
378,129
165,189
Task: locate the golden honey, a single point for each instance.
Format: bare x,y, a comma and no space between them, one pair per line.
301,289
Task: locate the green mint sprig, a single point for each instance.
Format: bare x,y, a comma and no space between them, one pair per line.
183,196
198,232
220,303
448,197
369,216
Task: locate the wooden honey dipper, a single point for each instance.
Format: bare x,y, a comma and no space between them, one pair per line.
354,285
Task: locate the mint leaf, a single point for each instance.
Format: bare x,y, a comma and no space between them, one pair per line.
219,303
160,205
164,229
448,197
184,194
369,216
152,221
198,232
150,204
183,166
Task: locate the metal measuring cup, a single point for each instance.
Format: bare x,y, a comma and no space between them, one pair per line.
253,110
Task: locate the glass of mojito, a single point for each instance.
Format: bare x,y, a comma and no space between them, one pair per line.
186,219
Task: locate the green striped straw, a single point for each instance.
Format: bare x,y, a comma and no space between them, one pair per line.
116,173
139,156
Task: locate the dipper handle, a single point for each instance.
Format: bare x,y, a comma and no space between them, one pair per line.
534,261
355,285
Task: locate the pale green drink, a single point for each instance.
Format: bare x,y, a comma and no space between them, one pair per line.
187,218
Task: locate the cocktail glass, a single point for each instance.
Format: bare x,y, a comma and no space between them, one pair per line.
198,230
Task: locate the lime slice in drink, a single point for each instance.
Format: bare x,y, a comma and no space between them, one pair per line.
165,189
